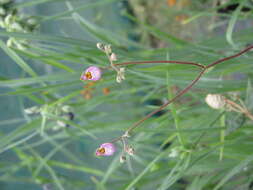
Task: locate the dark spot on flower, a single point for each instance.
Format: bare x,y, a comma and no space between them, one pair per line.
88,75
101,150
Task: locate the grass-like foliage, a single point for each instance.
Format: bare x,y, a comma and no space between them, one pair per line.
165,99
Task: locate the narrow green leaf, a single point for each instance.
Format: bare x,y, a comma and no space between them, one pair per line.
17,59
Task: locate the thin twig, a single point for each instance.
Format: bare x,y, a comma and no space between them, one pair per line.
170,101
176,62
186,89
230,57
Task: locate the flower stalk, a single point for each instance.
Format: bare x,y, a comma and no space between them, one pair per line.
185,90
203,69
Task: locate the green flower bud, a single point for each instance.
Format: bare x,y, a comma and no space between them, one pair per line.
20,46
8,20
66,108
16,26
31,110
10,43
32,21
2,11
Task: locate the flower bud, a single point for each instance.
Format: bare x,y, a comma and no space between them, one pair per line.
9,42
32,110
32,21
8,19
20,46
108,49
130,150
120,75
100,46
16,26
122,159
174,153
113,57
66,108
60,124
215,101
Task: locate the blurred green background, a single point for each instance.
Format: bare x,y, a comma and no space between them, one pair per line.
45,73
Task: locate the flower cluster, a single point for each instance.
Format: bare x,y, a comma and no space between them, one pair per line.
215,101
65,112
94,73
112,57
108,149
12,21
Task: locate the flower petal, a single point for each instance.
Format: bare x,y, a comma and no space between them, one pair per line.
91,73
106,149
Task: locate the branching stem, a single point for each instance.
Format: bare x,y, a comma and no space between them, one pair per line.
186,89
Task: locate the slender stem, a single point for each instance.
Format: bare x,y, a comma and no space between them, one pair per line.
167,103
116,139
111,62
230,57
175,114
248,114
186,89
241,109
176,62
222,135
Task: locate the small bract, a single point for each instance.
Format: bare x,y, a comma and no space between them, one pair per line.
91,73
106,149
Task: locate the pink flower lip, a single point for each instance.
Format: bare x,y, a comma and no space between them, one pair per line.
106,149
91,73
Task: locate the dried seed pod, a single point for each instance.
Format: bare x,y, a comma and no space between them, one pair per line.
215,101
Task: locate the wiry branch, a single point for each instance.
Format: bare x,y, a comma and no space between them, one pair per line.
204,68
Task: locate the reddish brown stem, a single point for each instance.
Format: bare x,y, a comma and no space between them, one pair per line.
204,68
186,89
176,62
230,57
167,103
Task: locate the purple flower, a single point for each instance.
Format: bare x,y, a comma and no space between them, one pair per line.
91,73
106,149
